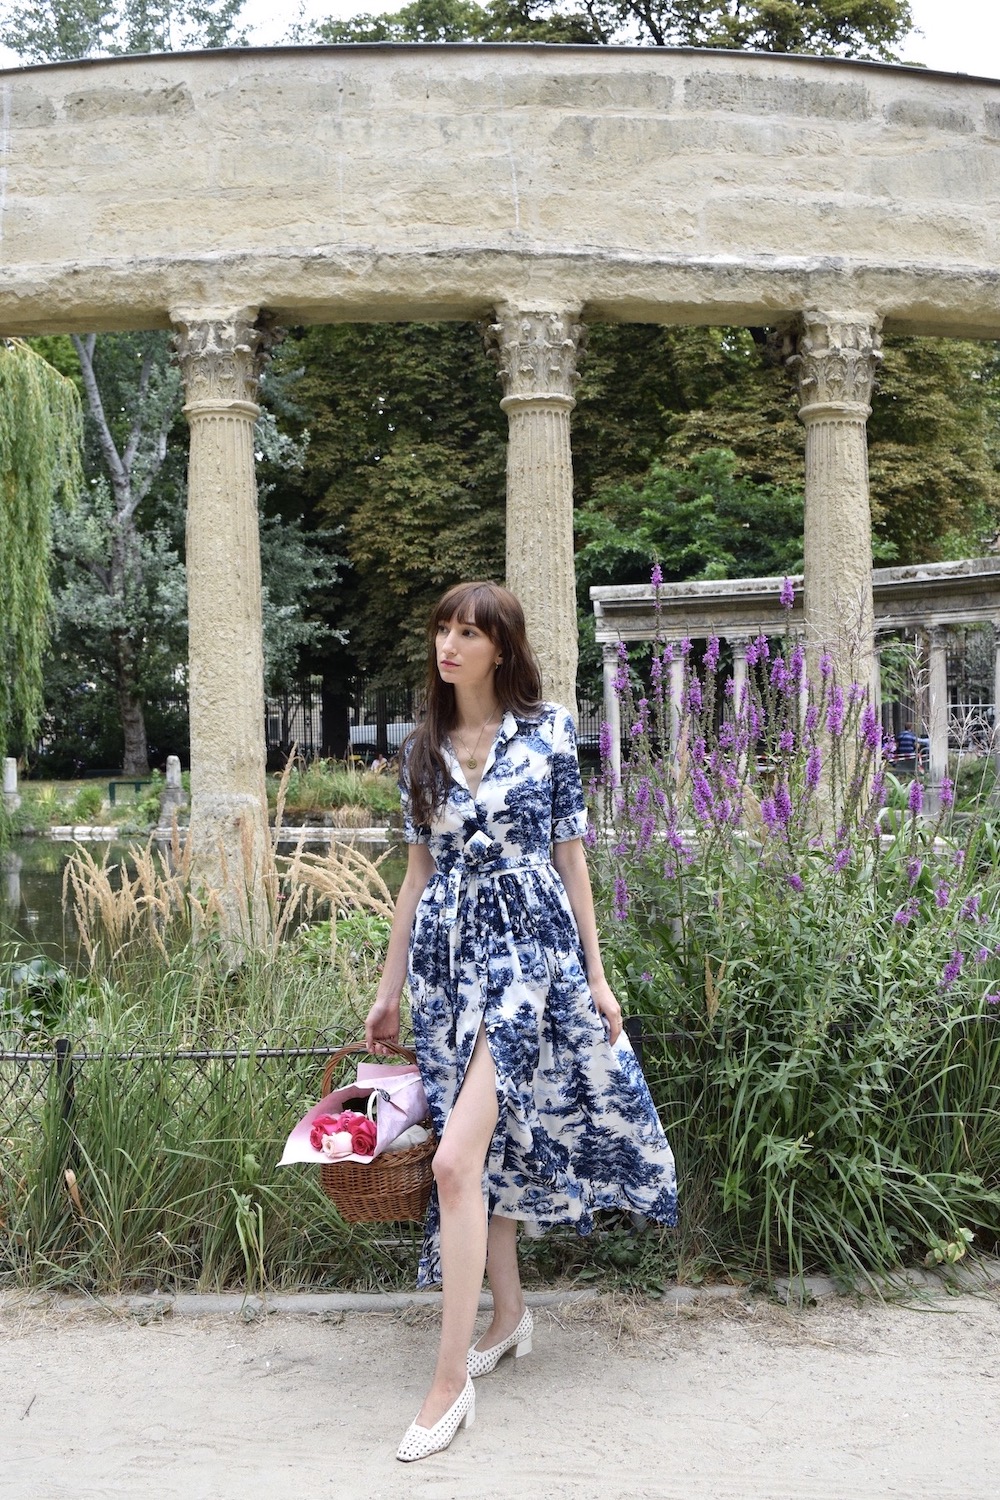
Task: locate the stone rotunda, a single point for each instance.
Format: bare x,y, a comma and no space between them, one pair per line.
535,188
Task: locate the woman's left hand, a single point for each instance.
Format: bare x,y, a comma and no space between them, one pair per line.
607,1008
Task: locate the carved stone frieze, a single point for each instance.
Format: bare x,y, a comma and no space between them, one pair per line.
536,353
222,357
835,360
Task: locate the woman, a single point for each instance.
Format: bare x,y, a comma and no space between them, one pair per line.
519,1040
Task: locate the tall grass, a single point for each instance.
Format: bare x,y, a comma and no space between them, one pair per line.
172,1158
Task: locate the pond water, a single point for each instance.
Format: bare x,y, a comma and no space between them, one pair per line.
31,881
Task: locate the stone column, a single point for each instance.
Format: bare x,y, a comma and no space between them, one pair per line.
937,728
676,680
738,645
835,362
220,355
612,708
536,353
12,800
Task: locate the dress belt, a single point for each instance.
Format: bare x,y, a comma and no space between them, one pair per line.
479,862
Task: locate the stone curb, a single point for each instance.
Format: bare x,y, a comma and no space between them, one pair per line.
980,1276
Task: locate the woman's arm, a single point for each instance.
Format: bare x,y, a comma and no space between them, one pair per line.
570,861
382,1021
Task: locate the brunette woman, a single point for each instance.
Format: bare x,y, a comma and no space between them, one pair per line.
540,1107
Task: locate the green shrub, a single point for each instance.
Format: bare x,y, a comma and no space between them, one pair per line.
821,998
88,803
322,785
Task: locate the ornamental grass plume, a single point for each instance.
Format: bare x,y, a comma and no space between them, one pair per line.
832,1103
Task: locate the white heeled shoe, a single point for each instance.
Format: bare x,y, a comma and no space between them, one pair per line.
421,1442
482,1361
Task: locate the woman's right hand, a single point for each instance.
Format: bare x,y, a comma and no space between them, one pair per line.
382,1025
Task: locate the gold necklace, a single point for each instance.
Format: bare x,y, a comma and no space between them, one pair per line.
472,762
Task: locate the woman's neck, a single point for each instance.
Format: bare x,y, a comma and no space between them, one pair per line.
473,710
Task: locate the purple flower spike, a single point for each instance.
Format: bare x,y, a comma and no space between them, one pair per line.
656,577
942,895
786,741
982,954
952,969
871,729
812,718
826,665
605,742
906,913
992,999
835,712
916,798
814,765
797,662
913,869
947,791
787,596
840,859
646,976
783,803
711,660
795,881
621,898
694,701
769,813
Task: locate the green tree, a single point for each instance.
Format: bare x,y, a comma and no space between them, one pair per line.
58,30
39,470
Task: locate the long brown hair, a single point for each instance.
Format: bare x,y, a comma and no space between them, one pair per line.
518,683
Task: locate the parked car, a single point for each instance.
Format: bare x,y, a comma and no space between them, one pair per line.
364,737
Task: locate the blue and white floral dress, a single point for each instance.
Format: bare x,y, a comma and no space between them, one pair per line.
495,944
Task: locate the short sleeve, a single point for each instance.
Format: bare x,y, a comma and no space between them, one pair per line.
413,833
569,811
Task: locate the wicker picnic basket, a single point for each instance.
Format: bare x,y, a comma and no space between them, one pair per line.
393,1187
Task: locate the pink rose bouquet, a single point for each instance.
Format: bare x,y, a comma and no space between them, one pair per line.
346,1134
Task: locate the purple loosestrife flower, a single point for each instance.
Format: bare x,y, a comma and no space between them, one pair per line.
701,795
753,654
947,793
605,741
783,803
694,700
871,729
982,954
855,693
780,679
812,718
952,969
621,675
769,813
992,999
656,670
913,869
840,859
835,712
878,789
730,687
711,658
755,724
970,909
814,766
958,859
795,881
786,598
786,741
646,977
942,896
797,661
590,837
686,646
656,577
621,898
907,912
826,666
916,798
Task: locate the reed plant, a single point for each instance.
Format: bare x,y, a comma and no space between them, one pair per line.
819,974
313,788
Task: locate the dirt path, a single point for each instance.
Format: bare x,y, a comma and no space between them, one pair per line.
728,1402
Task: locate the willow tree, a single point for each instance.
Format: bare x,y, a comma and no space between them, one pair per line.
40,465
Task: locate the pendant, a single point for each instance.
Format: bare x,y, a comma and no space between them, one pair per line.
472,762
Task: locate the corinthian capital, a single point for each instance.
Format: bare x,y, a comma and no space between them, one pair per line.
221,356
536,354
835,362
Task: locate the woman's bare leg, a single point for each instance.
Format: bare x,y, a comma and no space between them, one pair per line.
504,1279
458,1172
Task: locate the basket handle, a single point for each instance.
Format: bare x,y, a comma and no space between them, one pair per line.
406,1053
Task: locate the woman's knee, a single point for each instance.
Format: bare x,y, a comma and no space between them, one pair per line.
454,1172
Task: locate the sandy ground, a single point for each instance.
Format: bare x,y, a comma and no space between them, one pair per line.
733,1401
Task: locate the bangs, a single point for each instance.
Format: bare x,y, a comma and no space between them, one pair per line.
472,604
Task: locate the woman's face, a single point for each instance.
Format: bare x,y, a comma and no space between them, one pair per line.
466,657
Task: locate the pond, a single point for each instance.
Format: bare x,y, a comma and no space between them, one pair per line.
31,882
